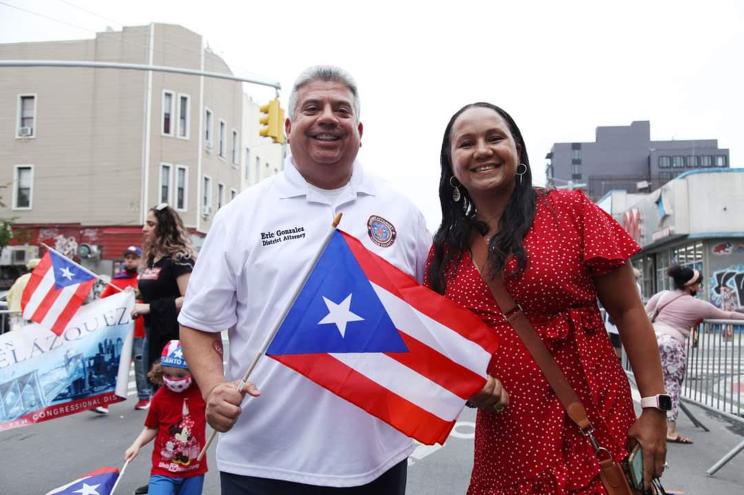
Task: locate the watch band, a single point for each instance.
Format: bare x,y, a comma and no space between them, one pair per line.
662,402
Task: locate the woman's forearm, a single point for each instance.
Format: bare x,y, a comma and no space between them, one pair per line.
639,341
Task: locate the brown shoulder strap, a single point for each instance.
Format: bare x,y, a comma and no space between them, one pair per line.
513,314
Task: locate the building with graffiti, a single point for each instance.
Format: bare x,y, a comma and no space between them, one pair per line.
86,152
695,220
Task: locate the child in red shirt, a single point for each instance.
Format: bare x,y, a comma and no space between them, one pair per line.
176,421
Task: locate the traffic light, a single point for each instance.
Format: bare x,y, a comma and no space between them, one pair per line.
272,121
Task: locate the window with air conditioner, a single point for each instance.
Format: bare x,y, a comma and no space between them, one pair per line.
26,122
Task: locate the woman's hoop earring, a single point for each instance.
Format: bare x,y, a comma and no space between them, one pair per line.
524,171
456,194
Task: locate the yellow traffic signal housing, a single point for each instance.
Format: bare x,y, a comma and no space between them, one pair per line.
272,121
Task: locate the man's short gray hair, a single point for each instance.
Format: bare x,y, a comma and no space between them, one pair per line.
323,73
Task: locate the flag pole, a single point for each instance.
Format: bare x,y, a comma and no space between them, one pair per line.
118,479
93,274
270,337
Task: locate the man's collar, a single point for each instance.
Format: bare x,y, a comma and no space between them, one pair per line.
292,184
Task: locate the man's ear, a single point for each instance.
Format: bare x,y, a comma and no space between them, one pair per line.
287,127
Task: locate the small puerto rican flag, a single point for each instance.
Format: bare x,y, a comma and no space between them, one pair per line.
98,482
57,288
370,334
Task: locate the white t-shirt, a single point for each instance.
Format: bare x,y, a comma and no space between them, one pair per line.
257,251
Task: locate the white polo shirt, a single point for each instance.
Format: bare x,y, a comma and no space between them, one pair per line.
258,249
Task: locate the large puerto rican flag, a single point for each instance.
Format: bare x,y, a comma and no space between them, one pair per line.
370,334
57,288
99,482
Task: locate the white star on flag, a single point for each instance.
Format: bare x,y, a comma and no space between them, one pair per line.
178,353
66,273
339,314
88,489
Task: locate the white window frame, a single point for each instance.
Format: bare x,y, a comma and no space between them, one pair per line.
233,193
222,138
220,195
208,129
235,147
206,199
169,195
185,206
173,120
19,110
15,187
187,120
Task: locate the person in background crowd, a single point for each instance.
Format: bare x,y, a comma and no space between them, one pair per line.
169,259
15,293
676,313
176,422
558,253
125,279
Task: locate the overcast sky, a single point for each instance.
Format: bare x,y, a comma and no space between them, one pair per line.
561,68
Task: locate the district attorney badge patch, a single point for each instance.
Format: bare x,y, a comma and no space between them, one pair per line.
381,231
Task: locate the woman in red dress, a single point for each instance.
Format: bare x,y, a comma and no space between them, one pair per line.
558,253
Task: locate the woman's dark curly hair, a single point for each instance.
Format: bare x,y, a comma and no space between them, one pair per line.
171,238
459,219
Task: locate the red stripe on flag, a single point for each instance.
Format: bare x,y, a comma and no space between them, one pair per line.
35,279
46,304
349,384
425,300
438,368
72,306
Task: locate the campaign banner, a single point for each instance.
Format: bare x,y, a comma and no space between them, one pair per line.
45,376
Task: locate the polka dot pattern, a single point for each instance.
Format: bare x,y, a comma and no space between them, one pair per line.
532,447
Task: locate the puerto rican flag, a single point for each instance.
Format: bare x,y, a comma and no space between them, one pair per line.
98,482
370,334
55,291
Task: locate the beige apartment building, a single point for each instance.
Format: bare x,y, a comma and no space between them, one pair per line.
86,152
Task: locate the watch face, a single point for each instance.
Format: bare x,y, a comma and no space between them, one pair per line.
665,402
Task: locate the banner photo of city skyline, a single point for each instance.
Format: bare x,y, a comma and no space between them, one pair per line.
44,376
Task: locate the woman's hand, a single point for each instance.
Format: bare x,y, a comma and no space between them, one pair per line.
493,397
650,432
140,309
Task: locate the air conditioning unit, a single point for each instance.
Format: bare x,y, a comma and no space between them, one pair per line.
26,131
206,211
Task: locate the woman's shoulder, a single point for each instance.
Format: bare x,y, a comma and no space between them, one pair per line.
563,198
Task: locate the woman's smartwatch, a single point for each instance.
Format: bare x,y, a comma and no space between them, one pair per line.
663,402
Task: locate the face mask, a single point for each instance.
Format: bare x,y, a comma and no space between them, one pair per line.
178,385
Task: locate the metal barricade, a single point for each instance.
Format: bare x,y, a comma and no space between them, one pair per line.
714,376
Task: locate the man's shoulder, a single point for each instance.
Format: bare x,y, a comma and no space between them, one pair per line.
387,191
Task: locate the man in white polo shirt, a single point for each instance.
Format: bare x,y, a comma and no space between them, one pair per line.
296,438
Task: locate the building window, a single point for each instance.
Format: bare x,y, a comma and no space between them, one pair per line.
222,139
665,162
575,154
233,193
692,161
220,195
575,176
208,129
169,103
26,127
206,195
165,182
23,185
678,161
235,147
720,160
706,161
575,169
184,118
257,177
665,176
182,177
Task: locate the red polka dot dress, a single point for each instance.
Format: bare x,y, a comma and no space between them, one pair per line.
532,447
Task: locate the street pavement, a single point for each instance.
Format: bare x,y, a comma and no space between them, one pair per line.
40,457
